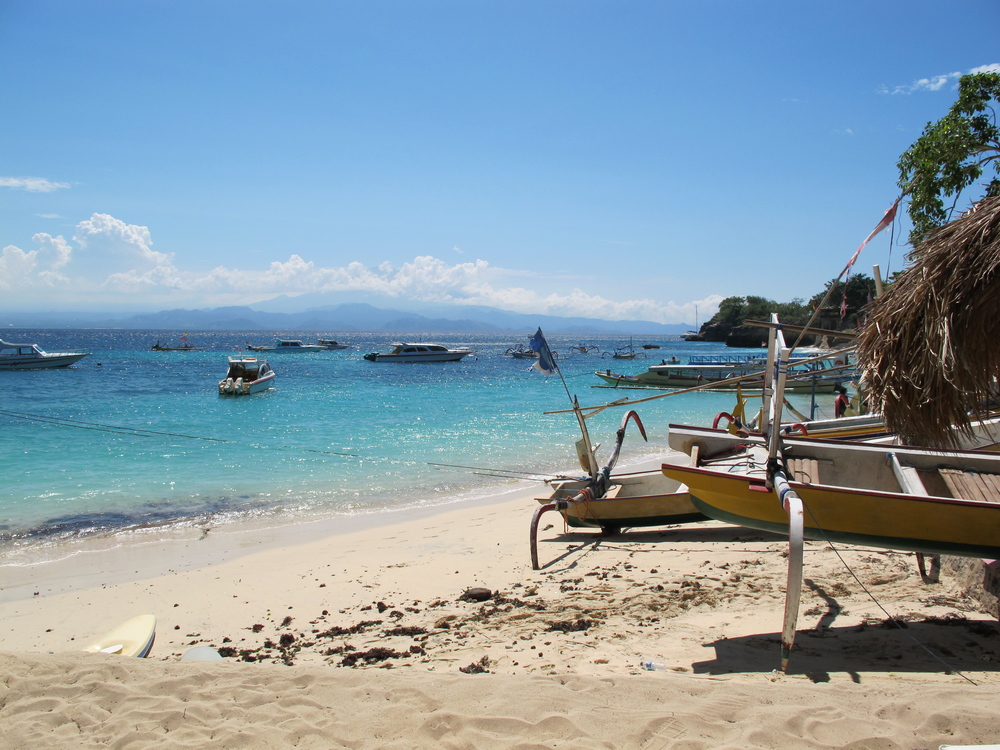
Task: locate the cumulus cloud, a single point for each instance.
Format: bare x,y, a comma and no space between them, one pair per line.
16,267
114,261
102,233
32,184
938,82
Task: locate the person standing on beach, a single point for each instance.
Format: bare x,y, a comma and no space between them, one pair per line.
841,405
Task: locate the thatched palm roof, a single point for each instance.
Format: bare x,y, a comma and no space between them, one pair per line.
930,350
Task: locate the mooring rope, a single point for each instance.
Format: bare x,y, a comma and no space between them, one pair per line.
878,604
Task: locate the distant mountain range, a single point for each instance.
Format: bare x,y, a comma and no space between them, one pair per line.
345,317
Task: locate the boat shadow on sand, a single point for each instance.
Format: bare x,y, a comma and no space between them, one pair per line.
583,542
929,645
732,570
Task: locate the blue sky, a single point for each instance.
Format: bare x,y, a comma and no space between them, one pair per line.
625,159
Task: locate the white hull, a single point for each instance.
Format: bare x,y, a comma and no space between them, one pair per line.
450,357
246,375
419,353
30,357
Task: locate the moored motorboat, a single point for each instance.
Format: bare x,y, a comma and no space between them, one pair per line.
32,357
246,375
331,345
419,353
294,345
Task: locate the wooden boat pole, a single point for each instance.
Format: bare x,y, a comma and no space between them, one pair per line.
777,480
793,583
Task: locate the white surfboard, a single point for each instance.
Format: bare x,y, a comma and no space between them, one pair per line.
132,638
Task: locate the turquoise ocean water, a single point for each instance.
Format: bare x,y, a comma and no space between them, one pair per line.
131,439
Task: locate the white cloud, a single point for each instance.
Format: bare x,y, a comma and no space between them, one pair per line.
32,184
16,266
106,234
938,82
114,262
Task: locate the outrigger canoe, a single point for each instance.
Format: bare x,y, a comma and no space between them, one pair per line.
611,502
888,496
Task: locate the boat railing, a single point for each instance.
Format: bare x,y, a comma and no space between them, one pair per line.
733,359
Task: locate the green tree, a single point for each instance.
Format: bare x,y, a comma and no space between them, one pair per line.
859,290
952,154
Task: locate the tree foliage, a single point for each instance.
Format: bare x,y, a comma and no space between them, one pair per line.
952,154
849,299
734,310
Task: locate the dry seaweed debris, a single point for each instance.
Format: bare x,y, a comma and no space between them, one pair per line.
928,352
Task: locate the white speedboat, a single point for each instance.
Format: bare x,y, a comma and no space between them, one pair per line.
419,353
294,345
31,357
246,375
330,344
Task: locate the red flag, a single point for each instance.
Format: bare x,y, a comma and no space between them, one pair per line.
890,215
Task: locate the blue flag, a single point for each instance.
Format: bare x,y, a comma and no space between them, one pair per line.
546,363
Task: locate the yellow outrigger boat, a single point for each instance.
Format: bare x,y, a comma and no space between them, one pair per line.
889,496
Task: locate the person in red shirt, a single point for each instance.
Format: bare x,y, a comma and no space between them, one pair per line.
842,403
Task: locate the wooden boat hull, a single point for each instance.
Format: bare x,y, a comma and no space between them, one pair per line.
852,492
929,525
633,500
668,379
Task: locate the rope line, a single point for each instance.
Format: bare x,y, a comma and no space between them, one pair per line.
141,432
878,604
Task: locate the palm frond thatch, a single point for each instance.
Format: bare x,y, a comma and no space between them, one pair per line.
930,350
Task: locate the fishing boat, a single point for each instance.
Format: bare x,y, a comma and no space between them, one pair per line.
294,345
821,372
895,497
519,352
610,502
331,345
889,496
633,499
627,352
32,357
246,375
184,347
419,353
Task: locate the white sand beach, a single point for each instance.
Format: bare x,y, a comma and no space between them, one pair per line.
360,638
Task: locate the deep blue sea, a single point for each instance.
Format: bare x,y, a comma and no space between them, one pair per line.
132,439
